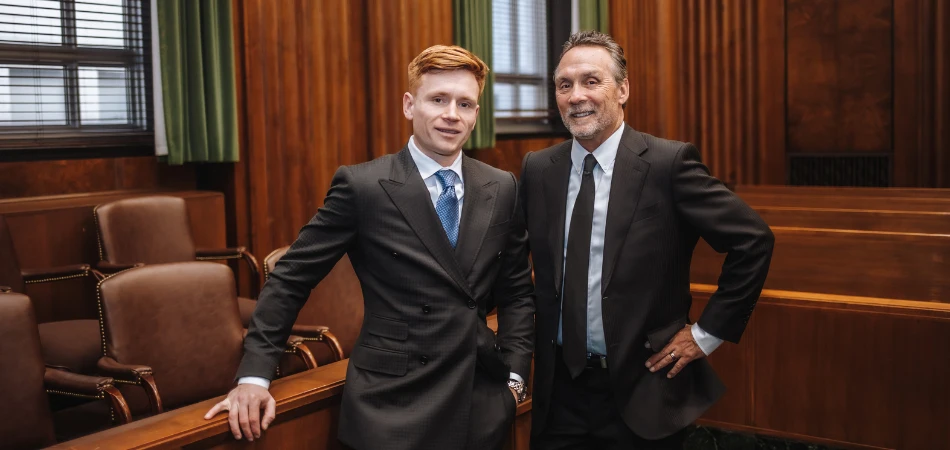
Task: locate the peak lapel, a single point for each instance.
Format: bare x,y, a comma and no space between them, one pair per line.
410,195
477,208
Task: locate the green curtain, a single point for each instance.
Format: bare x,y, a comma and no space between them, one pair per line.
472,31
592,15
198,87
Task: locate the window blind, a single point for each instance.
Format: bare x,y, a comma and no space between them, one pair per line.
520,59
74,72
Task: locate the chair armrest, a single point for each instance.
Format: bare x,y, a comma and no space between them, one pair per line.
76,385
207,254
133,374
319,333
110,268
296,346
47,274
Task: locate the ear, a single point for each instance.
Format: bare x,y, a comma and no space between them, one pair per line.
624,91
407,102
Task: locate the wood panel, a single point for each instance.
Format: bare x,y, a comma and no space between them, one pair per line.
60,230
839,76
40,178
872,264
921,93
308,406
824,368
856,219
508,153
711,72
302,99
397,30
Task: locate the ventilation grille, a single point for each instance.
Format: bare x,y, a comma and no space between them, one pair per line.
839,170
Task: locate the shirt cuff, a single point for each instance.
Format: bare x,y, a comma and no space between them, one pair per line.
706,342
262,382
516,377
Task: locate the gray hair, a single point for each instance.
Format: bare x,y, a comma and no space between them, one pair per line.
598,39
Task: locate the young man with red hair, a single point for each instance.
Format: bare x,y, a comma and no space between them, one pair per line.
437,241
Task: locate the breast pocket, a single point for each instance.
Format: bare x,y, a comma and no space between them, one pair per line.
498,229
647,212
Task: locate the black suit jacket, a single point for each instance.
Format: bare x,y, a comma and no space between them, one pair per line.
662,200
411,374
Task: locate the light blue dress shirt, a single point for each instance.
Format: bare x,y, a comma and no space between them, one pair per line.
606,156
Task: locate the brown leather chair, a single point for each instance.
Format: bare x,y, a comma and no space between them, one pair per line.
72,345
26,421
155,230
346,317
181,319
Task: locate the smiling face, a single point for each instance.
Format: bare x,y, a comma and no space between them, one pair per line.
443,111
589,96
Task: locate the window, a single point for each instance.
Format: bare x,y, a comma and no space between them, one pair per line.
523,37
74,73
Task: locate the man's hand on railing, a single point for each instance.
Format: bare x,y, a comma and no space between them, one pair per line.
244,404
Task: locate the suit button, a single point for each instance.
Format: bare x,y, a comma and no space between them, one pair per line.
499,255
426,309
471,304
497,348
395,255
423,359
552,343
556,295
604,299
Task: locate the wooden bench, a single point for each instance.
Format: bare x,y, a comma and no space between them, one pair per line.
841,191
845,371
927,222
911,266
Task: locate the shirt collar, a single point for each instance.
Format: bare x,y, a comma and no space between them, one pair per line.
427,166
606,154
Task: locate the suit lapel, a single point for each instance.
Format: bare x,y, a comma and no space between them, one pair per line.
478,205
625,188
410,195
556,177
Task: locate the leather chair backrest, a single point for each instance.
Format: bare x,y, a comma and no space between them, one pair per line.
150,230
337,301
10,275
25,420
182,320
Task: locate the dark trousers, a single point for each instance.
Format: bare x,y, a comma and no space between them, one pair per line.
583,415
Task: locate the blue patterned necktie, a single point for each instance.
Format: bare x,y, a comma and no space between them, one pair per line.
447,206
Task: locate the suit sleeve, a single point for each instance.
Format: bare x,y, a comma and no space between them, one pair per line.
514,296
730,226
320,244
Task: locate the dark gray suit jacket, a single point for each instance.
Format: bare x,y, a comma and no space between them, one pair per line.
410,377
662,200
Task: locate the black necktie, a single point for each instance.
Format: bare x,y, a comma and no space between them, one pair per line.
574,307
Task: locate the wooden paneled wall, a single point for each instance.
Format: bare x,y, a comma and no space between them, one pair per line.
709,72
754,81
39,178
397,30
320,85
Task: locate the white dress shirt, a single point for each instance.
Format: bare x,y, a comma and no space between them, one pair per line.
606,156
427,168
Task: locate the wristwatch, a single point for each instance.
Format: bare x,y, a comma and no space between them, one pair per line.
519,388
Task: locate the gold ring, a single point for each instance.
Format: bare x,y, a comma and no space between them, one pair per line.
673,356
